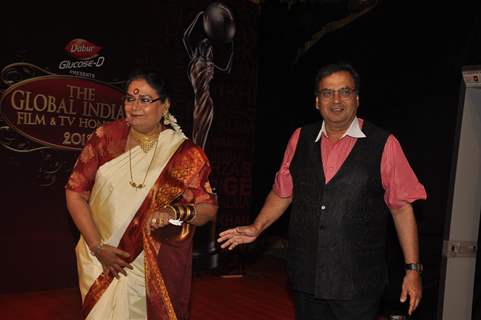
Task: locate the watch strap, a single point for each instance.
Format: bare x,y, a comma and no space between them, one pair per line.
414,266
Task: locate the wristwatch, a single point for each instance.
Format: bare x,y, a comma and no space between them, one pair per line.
414,266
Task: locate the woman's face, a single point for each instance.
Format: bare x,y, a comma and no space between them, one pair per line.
142,107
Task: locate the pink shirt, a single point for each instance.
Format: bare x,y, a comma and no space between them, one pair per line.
398,179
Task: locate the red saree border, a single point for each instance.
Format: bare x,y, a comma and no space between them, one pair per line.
183,166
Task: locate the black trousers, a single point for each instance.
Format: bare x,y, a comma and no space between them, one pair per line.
310,308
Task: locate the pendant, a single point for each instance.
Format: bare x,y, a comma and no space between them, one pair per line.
136,186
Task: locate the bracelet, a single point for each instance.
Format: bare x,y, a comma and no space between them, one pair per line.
176,213
183,212
192,212
98,246
414,266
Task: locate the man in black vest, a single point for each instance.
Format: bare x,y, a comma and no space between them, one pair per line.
344,177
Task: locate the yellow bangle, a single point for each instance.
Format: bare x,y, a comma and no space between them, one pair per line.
188,211
183,212
183,209
176,212
193,213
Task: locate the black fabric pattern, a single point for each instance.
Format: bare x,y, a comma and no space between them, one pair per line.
337,232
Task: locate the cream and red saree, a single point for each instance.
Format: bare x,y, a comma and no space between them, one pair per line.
159,285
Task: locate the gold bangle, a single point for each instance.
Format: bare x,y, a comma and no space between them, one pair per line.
176,212
193,213
181,212
188,213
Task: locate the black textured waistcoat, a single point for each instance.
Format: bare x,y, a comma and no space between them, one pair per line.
337,231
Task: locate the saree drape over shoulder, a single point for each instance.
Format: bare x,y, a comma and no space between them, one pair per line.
159,285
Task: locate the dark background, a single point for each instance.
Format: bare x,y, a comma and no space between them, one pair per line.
409,55
36,231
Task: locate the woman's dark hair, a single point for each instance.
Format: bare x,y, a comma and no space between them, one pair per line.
337,67
154,78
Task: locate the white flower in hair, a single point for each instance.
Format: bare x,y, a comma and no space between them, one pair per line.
170,120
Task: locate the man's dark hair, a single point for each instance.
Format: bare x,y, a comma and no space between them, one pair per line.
337,67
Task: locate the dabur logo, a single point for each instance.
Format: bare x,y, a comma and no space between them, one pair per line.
82,49
86,55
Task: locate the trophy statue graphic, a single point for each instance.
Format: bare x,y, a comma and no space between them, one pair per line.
208,41
218,28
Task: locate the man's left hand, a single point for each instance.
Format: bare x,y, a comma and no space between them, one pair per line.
412,287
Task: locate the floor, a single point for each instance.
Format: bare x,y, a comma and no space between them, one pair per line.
261,293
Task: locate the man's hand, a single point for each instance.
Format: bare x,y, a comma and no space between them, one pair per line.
239,235
412,287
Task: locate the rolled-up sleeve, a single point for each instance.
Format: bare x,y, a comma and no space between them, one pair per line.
398,178
283,180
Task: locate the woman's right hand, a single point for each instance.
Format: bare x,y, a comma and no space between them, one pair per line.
112,260
239,235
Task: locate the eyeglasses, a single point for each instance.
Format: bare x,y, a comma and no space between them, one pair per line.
344,93
143,100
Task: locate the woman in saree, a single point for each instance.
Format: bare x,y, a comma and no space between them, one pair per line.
136,193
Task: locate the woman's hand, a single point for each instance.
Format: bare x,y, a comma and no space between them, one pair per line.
112,260
158,219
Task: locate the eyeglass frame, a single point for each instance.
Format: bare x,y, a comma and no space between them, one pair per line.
138,99
333,93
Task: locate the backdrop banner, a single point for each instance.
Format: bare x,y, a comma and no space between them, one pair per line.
58,84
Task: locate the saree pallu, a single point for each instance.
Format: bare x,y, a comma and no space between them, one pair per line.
158,287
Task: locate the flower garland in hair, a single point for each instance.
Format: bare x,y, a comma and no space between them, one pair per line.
170,120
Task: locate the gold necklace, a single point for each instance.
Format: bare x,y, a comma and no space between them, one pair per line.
141,185
145,141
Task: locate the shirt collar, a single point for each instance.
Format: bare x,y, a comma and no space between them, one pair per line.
354,130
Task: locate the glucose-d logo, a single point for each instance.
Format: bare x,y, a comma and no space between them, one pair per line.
82,49
85,56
